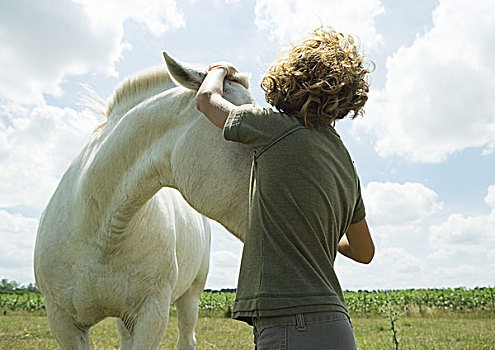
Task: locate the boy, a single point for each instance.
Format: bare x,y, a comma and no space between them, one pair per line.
304,195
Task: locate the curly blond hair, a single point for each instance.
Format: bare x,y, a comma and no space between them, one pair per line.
319,80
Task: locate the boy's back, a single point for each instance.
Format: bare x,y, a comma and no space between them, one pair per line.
305,193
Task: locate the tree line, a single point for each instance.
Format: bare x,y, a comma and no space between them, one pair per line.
9,287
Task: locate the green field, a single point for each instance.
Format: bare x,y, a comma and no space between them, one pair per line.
436,330
422,319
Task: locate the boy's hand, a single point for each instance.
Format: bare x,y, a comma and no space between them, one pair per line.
229,68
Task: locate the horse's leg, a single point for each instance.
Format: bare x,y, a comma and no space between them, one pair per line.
125,335
187,313
150,323
69,334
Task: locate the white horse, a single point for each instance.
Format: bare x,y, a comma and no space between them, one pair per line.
111,243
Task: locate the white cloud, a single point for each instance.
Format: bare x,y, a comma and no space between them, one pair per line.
396,214
17,234
44,42
226,251
392,267
490,197
224,270
462,254
439,94
470,253
465,248
394,204
158,15
460,231
465,275
37,146
411,253
284,19
228,2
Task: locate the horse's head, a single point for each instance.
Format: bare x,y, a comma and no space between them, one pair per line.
235,88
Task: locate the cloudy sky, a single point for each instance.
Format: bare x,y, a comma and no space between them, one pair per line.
425,150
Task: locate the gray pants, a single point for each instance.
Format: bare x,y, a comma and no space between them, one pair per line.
309,331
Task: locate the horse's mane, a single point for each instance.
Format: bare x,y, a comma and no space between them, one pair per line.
134,85
151,80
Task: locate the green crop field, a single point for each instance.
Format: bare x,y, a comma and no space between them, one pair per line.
404,319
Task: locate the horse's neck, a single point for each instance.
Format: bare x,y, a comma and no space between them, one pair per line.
122,166
213,174
165,141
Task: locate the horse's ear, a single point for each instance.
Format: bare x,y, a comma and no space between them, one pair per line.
187,76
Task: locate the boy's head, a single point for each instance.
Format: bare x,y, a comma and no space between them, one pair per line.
320,80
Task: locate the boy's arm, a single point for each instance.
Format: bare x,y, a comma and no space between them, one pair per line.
357,244
209,99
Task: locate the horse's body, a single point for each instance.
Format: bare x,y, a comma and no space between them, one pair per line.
111,243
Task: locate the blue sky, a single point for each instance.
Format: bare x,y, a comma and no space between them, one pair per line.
424,150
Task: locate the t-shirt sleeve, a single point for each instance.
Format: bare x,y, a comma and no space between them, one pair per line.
255,126
359,210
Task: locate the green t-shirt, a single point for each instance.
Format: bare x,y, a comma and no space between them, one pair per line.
304,194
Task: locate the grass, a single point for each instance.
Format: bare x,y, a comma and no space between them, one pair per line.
433,331
430,331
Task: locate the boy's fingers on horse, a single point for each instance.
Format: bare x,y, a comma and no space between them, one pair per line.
228,66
